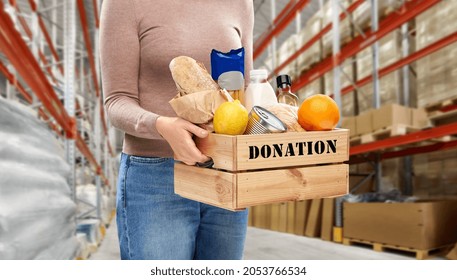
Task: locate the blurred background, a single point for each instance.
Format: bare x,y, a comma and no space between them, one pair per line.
389,64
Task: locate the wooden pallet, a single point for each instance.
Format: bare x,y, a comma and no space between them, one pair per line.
382,14
438,117
383,133
381,247
443,139
436,106
306,67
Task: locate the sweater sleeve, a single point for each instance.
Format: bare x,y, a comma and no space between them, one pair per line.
120,62
246,39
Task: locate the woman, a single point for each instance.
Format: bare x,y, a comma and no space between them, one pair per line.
138,39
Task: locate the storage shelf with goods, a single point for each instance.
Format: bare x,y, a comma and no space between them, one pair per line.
416,65
437,92
360,42
391,82
49,63
313,54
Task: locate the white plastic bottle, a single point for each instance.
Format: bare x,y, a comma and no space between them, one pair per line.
259,91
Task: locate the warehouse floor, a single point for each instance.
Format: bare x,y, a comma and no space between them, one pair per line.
269,245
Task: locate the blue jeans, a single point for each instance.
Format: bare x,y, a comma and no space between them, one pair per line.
155,223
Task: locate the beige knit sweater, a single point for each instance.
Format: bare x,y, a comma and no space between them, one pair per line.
139,38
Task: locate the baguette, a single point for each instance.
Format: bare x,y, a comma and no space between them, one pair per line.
191,76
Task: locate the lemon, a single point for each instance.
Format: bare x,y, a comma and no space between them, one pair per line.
230,118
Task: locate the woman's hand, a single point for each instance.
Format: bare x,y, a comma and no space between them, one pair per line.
178,133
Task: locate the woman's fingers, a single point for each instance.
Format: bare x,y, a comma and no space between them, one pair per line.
191,154
196,130
178,133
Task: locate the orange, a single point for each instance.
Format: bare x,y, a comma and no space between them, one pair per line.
318,112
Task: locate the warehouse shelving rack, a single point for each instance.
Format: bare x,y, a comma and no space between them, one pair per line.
395,20
401,146
47,76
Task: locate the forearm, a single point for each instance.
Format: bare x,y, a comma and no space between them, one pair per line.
127,115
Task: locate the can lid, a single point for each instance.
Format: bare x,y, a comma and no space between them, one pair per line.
268,119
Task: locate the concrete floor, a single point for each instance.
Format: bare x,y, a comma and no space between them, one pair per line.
269,245
109,249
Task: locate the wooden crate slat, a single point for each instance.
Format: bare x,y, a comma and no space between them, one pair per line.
245,189
293,153
250,152
221,148
290,184
254,170
206,185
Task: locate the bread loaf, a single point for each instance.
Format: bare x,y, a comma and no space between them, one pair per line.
287,114
191,76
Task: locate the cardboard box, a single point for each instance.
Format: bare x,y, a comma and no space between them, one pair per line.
349,123
275,218
269,168
436,75
251,217
313,225
418,225
301,216
391,114
419,118
261,216
364,122
282,221
328,217
291,217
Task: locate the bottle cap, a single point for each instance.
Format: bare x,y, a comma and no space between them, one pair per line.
283,79
260,73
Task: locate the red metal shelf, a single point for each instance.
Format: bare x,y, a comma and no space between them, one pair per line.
29,33
20,56
85,29
86,35
393,21
408,11
314,39
438,45
41,112
43,28
284,18
382,146
97,19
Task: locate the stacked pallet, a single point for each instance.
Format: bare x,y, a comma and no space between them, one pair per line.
345,27
422,227
388,121
310,89
312,55
372,125
389,85
436,73
362,15
286,50
435,174
346,79
436,84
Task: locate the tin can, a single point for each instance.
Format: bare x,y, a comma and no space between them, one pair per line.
262,121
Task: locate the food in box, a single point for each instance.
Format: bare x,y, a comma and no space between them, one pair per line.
258,169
